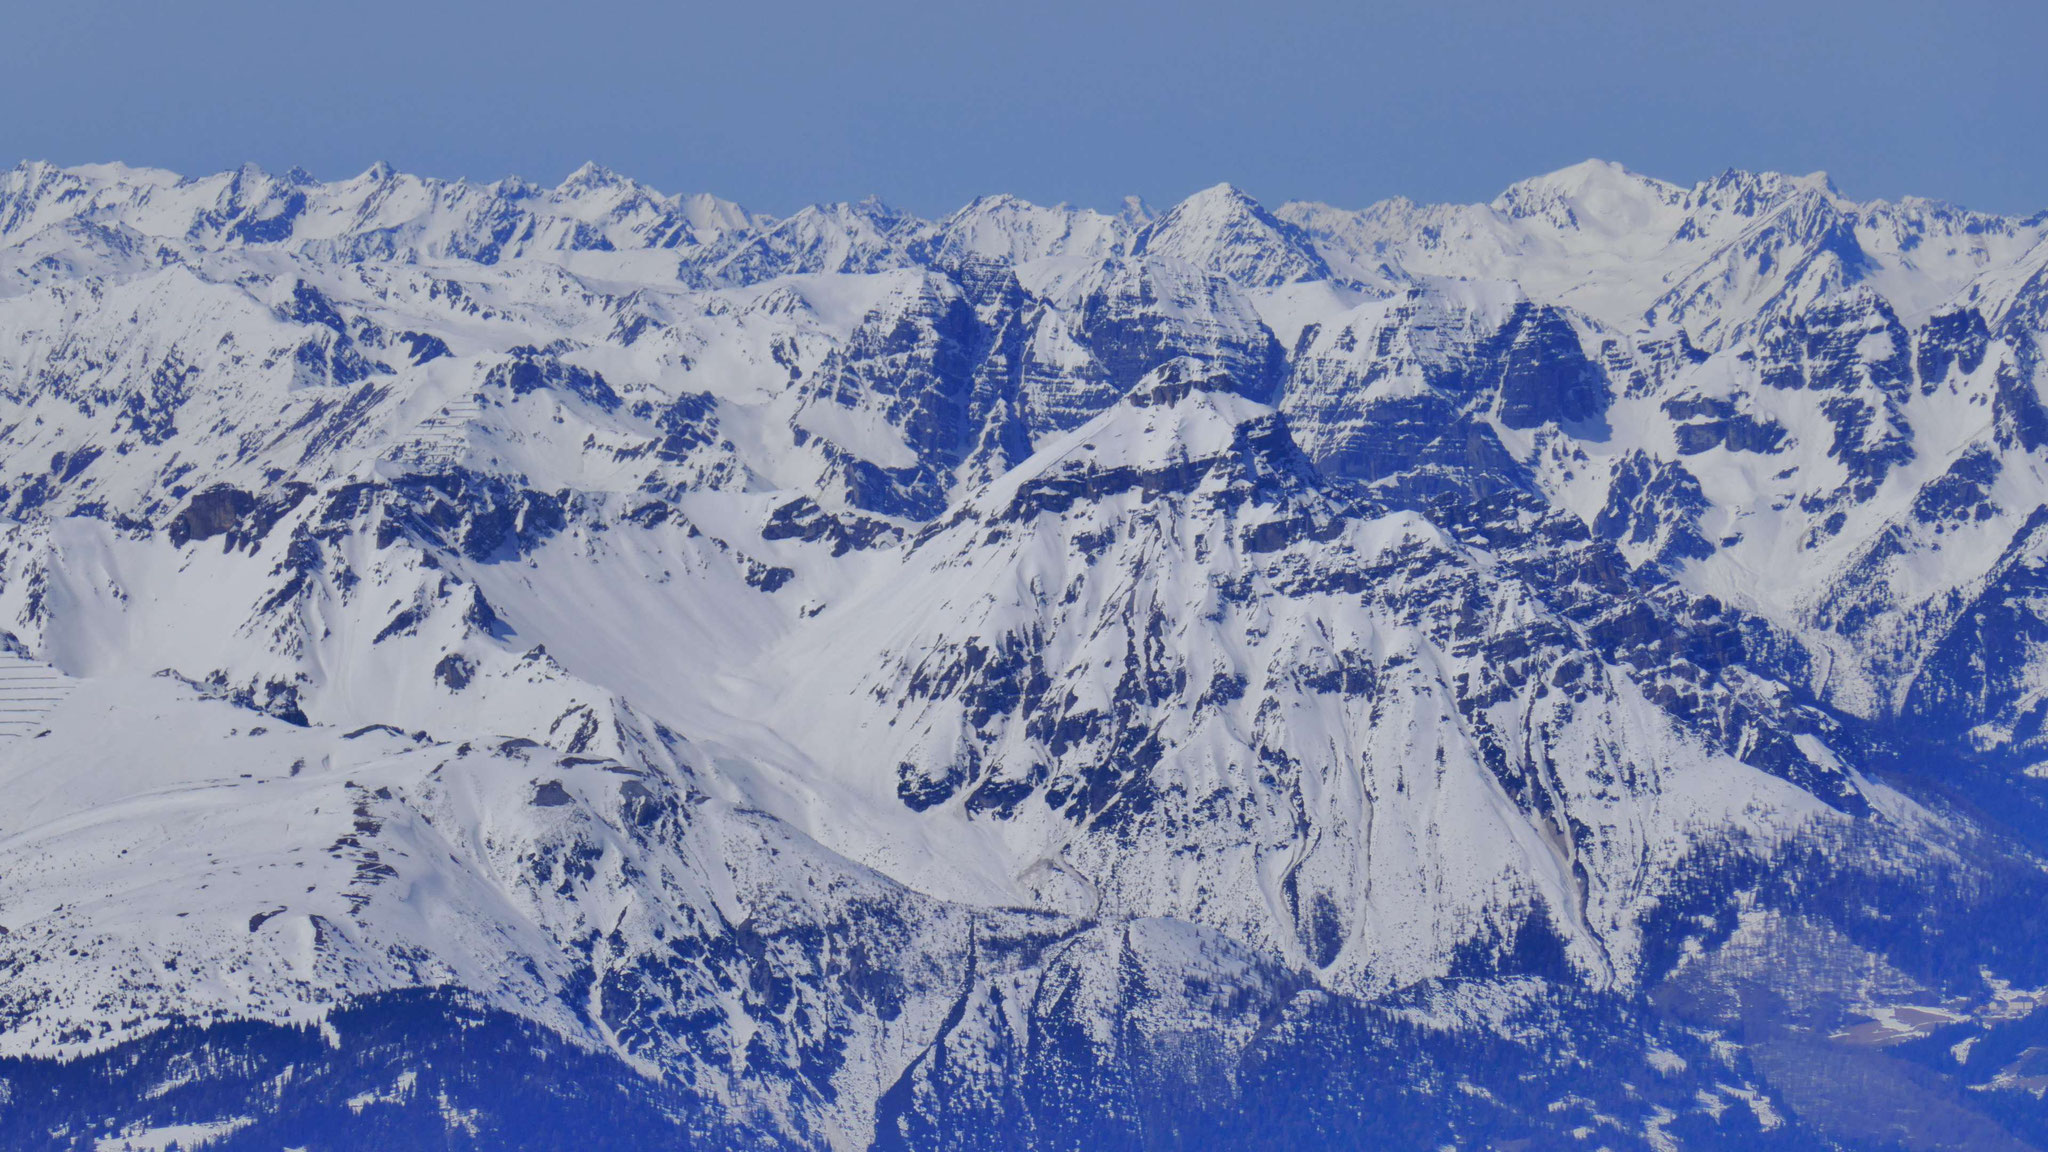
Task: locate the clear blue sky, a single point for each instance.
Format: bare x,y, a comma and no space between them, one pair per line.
778,103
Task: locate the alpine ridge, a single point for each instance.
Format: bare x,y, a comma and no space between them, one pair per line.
489,662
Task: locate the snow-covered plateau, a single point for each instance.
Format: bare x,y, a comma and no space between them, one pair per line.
496,666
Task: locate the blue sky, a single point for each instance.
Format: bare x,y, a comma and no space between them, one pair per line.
778,103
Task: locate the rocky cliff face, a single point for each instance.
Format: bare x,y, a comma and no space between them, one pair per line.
482,659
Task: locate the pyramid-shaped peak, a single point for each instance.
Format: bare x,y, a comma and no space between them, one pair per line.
1226,231
1219,200
1222,191
592,175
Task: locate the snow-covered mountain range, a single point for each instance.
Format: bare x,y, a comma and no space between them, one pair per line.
491,661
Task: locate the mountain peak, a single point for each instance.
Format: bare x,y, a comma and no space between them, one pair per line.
1011,228
1227,232
1590,194
1222,193
590,176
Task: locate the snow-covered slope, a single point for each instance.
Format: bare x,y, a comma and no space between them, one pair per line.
856,680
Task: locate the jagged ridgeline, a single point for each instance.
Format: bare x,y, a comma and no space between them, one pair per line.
492,666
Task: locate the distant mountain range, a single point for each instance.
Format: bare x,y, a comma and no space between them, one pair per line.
501,667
